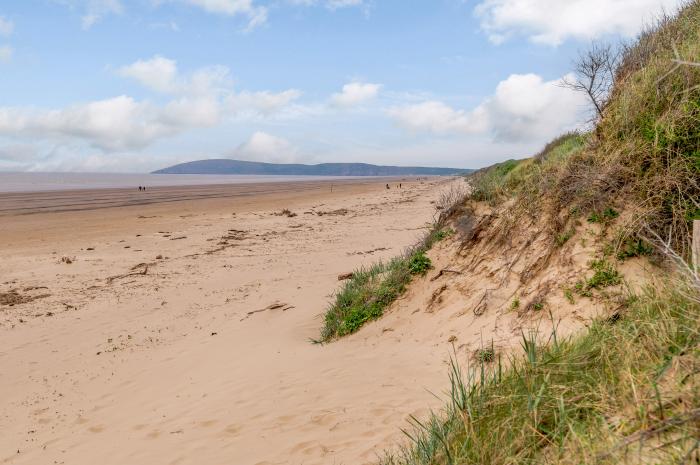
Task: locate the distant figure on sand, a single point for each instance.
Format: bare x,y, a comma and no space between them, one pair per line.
387,186
139,188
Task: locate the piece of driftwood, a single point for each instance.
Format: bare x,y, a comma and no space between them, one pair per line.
443,271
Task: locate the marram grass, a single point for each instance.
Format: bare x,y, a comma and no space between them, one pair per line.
626,391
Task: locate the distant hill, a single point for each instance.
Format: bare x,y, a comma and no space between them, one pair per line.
226,166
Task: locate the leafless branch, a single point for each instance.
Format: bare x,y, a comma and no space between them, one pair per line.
594,74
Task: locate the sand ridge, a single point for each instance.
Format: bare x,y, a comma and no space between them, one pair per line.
179,332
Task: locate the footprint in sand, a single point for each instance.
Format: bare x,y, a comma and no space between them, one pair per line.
232,429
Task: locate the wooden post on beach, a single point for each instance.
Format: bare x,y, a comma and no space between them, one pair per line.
696,244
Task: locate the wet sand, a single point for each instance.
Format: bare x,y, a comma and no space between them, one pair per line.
20,203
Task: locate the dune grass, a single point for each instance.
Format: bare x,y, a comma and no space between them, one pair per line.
366,295
627,391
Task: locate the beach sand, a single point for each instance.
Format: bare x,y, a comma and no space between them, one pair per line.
178,331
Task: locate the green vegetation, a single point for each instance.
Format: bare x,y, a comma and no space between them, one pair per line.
419,263
604,275
628,389
569,296
366,295
441,234
506,180
604,217
632,247
515,304
625,390
644,152
563,238
487,355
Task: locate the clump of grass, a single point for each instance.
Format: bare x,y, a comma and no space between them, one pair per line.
604,217
515,304
368,292
537,306
365,296
419,263
486,355
563,238
604,275
441,234
569,296
623,392
632,247
286,212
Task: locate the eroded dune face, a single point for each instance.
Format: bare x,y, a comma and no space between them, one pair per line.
179,332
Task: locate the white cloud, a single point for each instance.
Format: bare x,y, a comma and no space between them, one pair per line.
257,15
157,73
267,148
112,124
436,117
524,108
161,75
355,93
95,10
330,4
6,53
214,83
6,27
201,99
343,3
553,21
262,102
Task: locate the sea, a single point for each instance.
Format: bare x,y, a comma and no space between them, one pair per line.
36,182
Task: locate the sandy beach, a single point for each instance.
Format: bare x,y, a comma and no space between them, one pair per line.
176,328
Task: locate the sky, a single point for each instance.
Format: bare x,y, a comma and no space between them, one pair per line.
137,85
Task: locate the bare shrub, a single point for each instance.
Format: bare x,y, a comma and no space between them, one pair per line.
450,201
595,74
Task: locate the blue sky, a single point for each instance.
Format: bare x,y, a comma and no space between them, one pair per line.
135,85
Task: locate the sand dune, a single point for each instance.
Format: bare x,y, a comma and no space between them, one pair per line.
179,331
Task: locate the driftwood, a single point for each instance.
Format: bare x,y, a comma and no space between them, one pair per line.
443,271
274,306
142,272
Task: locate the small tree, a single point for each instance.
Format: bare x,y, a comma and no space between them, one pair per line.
594,74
